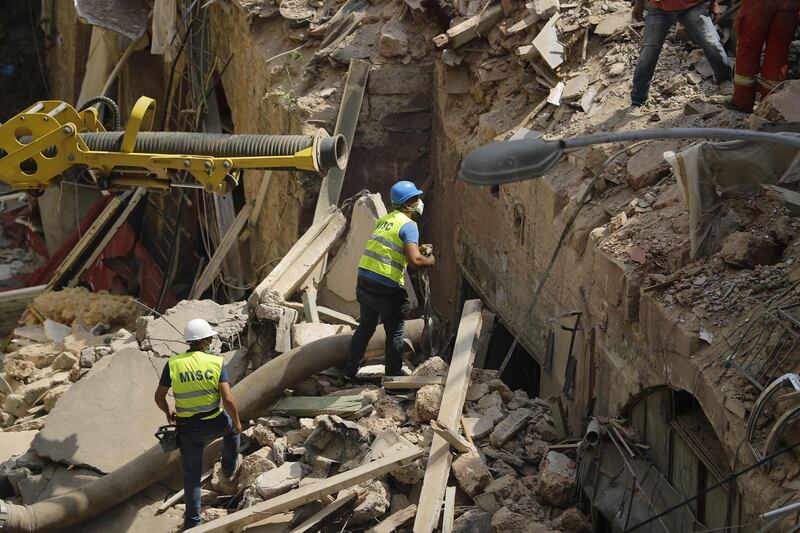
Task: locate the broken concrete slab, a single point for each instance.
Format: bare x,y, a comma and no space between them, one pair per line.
338,440
471,473
307,332
338,288
426,404
15,443
280,480
510,426
393,40
614,22
35,390
473,521
543,8
548,45
479,427
93,423
469,29
744,249
164,335
557,479
575,87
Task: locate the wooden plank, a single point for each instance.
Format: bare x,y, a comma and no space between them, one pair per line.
316,405
346,121
178,496
324,513
83,244
470,29
487,328
296,498
261,195
456,441
455,391
411,382
301,259
112,231
211,271
449,510
557,414
394,521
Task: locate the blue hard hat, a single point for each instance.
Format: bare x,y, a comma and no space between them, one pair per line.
403,191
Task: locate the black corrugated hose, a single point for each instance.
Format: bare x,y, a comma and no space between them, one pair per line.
111,104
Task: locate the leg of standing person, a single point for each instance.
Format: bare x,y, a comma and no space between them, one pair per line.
779,41
752,25
698,23
394,326
368,321
191,445
230,445
657,24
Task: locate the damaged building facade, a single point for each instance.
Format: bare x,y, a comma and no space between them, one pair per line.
644,285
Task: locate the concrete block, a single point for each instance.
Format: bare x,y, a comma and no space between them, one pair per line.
510,426
557,479
471,473
14,443
164,335
280,480
108,417
338,287
393,40
307,332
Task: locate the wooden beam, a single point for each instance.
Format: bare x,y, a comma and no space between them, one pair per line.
301,496
324,513
456,441
231,237
112,231
301,259
84,243
354,86
470,29
178,496
455,391
449,510
411,382
394,521
316,405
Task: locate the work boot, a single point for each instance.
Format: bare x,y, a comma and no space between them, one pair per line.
230,477
725,88
733,107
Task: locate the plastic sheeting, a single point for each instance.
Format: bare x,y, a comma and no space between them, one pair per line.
711,173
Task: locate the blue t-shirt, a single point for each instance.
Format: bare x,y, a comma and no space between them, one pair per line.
166,379
409,233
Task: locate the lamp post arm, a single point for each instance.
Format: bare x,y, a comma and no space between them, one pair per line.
786,138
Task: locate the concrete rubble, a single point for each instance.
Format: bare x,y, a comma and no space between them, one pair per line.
633,266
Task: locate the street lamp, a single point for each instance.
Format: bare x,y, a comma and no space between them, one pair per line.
506,162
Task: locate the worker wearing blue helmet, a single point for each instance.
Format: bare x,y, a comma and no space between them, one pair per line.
394,245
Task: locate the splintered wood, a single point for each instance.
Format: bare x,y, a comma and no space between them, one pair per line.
455,391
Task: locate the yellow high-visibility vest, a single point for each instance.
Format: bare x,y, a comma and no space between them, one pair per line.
384,253
195,383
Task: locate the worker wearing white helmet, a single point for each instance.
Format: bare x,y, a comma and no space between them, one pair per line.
201,389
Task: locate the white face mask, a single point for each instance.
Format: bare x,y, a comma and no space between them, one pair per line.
418,208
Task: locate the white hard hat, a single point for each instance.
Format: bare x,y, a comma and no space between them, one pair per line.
197,329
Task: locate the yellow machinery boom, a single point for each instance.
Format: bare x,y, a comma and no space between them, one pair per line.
50,137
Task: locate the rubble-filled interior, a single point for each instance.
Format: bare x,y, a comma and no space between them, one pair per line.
611,347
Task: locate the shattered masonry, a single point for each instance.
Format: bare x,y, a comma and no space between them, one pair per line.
672,306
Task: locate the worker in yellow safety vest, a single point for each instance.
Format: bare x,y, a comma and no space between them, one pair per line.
394,245
201,388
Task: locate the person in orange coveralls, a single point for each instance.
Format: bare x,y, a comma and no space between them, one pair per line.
759,22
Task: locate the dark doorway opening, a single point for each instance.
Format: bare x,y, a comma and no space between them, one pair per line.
522,370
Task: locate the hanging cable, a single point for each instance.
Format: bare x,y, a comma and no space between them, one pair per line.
725,481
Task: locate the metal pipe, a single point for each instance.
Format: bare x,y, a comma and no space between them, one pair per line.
780,510
592,435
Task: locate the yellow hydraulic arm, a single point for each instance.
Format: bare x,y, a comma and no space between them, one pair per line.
40,143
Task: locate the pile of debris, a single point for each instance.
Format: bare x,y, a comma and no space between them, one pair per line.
45,357
513,470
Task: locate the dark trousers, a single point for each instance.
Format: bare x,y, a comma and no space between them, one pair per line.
657,24
378,302
192,438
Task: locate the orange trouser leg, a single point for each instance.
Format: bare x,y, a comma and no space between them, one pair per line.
752,24
779,40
